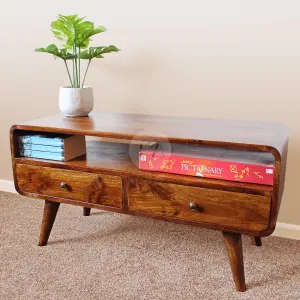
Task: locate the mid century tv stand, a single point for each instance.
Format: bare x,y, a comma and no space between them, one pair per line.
107,178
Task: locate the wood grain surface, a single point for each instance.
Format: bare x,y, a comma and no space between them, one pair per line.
80,186
244,134
242,211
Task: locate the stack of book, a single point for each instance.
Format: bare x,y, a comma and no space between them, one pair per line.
62,147
211,162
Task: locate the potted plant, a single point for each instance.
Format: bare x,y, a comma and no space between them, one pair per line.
75,35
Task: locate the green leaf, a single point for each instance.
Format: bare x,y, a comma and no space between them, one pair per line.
109,49
73,30
60,53
83,37
97,52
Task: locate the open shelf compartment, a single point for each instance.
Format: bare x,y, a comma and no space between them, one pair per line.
106,155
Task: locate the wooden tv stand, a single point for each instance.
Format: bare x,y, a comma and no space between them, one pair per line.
107,178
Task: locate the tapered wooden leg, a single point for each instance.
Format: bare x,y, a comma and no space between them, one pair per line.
233,243
257,241
86,211
50,211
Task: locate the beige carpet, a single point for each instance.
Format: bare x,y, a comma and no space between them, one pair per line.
111,256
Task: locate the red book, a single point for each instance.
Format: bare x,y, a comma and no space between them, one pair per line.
210,162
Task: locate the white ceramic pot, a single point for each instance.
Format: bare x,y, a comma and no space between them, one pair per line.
76,102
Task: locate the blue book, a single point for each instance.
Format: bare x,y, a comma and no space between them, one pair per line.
46,148
56,140
43,155
62,147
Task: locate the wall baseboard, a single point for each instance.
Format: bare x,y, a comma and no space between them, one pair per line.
284,230
7,186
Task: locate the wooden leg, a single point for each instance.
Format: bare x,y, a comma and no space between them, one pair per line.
233,243
50,211
86,211
257,241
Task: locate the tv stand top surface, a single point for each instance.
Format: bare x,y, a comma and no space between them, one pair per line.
261,136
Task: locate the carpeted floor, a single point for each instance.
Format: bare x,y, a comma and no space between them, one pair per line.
111,256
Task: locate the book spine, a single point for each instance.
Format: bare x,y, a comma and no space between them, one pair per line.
34,139
42,155
45,148
207,168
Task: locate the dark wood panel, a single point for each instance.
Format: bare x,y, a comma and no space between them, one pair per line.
242,211
80,186
257,135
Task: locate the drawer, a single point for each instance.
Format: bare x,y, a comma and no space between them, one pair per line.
238,210
74,185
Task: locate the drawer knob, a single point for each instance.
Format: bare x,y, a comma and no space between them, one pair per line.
193,206
64,186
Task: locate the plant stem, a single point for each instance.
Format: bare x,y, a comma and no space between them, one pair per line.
76,68
79,66
68,72
86,72
74,83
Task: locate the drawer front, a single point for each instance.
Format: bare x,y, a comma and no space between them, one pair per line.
74,185
238,210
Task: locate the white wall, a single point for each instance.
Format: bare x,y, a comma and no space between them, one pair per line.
223,59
